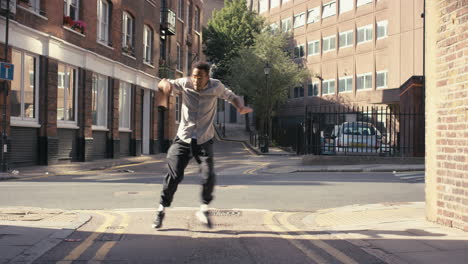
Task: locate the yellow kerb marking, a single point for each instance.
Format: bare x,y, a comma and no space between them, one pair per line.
104,249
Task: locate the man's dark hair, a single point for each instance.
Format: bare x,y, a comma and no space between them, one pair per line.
202,65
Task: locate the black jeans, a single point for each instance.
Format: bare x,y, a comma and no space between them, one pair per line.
178,157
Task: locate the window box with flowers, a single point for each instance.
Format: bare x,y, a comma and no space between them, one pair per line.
77,25
128,50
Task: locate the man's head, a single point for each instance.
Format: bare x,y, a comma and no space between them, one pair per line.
200,75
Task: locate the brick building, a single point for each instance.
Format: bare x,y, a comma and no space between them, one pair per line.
447,113
86,73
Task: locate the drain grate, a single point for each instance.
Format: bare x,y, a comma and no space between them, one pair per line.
225,213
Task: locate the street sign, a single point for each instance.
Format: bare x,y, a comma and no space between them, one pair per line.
12,6
6,71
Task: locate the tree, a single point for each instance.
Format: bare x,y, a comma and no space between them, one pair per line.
246,75
229,30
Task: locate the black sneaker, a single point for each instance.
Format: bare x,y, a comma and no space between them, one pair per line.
204,218
159,219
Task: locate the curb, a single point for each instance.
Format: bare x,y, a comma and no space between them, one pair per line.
271,170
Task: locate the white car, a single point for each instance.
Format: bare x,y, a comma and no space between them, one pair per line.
357,137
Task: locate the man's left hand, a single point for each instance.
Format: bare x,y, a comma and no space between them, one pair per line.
244,110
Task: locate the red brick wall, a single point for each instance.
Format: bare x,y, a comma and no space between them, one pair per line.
449,163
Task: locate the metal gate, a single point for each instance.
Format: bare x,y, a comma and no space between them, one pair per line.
339,130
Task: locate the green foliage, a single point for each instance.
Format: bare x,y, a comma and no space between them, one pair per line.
229,30
247,77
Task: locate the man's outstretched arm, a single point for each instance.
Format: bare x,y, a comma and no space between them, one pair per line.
164,91
239,105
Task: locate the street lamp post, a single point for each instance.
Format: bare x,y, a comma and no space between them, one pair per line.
266,136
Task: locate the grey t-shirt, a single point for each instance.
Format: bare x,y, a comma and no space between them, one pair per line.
199,108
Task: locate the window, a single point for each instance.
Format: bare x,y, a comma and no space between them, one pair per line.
197,19
381,79
285,1
299,20
103,21
178,105
147,45
24,87
286,24
127,34
313,15
363,2
274,3
382,29
299,51
179,58
328,87
345,84
364,81
35,5
66,93
328,43
312,89
346,39
274,28
313,48
329,9
346,5
364,34
125,105
263,6
298,91
71,8
99,101
180,9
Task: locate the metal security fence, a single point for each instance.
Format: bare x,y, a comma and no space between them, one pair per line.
339,130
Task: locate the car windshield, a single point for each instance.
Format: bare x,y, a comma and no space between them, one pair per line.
358,129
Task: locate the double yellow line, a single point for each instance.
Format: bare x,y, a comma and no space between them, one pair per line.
278,222
102,252
254,170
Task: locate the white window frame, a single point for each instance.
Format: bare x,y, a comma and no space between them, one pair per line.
147,45
299,20
365,83
283,23
65,97
125,107
349,36
178,106
382,24
196,18
313,15
66,7
346,7
274,28
313,84
363,2
262,6
327,83
368,34
327,43
329,9
274,3
127,18
179,57
385,74
285,1
101,118
103,37
315,51
348,87
180,10
15,121
298,48
35,6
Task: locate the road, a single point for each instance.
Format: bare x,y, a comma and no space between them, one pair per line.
258,217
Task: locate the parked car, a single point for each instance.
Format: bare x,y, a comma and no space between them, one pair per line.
357,137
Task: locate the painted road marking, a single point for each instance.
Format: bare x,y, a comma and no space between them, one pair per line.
76,253
314,240
107,246
254,170
269,222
